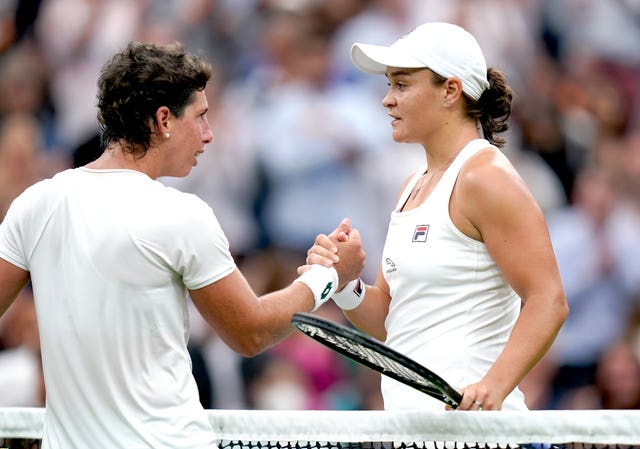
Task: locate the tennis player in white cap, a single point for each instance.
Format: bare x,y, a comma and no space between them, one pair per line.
468,285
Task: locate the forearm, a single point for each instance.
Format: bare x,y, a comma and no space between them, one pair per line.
532,336
246,323
275,313
370,315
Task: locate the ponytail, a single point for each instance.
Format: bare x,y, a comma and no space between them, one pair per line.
493,108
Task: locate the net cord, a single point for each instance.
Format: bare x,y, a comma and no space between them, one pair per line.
556,426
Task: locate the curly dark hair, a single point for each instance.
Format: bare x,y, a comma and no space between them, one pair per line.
493,109
139,80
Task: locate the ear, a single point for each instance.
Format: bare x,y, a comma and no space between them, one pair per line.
452,91
163,120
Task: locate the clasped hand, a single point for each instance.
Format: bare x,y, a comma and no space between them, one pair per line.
342,249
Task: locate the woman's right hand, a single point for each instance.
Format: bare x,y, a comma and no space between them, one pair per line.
341,249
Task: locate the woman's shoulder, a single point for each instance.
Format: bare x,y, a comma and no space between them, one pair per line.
487,163
490,178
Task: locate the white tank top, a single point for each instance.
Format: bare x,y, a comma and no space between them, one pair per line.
451,309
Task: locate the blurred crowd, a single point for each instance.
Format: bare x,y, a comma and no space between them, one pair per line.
301,141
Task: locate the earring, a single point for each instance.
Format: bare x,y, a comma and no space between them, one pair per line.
167,135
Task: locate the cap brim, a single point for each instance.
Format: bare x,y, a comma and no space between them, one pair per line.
376,58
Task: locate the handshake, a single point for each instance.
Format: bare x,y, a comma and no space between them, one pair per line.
333,267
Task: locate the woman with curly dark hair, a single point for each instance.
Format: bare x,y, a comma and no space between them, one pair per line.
112,253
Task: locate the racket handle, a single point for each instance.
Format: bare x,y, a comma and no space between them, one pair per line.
322,281
351,295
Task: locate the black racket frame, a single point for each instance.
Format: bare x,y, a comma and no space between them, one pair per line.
433,385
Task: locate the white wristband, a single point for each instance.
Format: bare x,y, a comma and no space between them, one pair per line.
322,281
351,295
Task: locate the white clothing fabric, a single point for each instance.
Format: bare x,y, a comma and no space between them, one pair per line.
451,309
111,253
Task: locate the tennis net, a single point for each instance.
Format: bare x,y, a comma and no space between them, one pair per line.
249,429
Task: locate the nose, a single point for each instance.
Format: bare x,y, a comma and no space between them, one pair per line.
207,134
388,99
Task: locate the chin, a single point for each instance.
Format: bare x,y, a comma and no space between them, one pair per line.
181,173
400,139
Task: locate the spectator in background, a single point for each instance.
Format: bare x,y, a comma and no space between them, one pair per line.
597,245
379,22
22,160
76,37
616,385
24,89
542,123
312,137
544,183
624,154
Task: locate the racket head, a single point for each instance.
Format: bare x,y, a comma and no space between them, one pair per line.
375,355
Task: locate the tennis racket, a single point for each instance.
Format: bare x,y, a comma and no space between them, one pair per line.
373,354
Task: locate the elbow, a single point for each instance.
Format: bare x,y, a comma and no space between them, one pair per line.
562,309
552,306
250,345
248,350
565,312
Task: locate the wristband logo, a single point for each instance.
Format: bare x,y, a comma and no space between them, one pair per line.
326,290
359,288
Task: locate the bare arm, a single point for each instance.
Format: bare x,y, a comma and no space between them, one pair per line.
370,315
249,324
12,281
492,203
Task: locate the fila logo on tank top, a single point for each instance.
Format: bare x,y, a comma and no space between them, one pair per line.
420,234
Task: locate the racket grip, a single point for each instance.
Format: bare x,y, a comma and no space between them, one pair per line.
351,295
322,281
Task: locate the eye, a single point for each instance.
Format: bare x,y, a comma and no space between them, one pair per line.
397,85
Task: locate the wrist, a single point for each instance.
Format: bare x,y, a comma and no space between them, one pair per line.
351,296
322,281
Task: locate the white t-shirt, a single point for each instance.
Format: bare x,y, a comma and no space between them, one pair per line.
451,309
111,254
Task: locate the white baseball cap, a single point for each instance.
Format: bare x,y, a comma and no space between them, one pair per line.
447,49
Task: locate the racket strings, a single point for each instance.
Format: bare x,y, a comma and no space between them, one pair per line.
376,360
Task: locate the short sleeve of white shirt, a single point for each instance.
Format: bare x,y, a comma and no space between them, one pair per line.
197,249
11,248
181,232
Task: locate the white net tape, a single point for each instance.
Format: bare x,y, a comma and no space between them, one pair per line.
610,427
